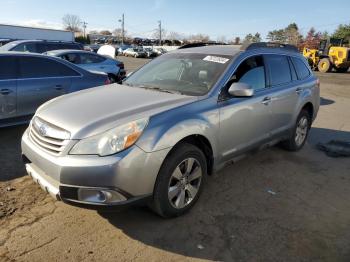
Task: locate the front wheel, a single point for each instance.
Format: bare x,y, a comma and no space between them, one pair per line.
180,181
324,65
300,132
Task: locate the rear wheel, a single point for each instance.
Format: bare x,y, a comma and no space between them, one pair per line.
300,132
324,65
180,181
342,70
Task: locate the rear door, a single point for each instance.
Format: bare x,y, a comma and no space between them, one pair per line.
40,79
8,86
284,94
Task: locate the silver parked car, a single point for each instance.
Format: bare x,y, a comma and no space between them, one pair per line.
136,52
93,62
176,120
29,80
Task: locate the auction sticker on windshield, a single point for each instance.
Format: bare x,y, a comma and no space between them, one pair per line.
216,59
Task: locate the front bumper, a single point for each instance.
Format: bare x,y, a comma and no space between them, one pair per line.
130,174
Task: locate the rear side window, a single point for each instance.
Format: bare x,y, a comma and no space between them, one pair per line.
25,47
302,70
36,67
73,58
91,59
8,68
279,69
252,72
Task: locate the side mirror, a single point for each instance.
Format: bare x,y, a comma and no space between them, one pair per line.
241,90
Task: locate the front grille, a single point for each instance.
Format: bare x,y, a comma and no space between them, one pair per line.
53,145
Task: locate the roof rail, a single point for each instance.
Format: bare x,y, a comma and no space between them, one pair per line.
199,45
251,46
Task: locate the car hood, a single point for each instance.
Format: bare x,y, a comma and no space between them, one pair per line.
95,110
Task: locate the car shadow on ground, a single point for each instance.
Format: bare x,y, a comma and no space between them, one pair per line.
11,165
253,210
326,102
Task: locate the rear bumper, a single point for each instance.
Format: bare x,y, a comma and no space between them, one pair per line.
128,176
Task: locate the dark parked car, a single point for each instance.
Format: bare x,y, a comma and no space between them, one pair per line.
39,46
29,80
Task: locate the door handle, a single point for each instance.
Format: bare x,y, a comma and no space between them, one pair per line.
299,90
58,87
5,91
266,101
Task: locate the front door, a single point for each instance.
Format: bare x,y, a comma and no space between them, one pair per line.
8,87
245,122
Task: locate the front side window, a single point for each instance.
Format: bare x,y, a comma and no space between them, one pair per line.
8,67
279,69
35,67
252,72
187,73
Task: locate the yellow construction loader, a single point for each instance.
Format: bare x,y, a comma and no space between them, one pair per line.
331,54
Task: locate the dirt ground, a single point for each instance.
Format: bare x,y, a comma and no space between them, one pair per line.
271,206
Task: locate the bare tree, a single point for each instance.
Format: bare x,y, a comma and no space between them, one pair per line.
156,33
198,38
221,39
105,32
71,23
174,36
237,40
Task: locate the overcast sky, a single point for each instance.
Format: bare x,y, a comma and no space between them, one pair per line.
216,18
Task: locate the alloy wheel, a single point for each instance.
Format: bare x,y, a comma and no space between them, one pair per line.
301,131
184,183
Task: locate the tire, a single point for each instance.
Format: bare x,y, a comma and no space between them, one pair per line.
173,190
112,78
300,131
342,70
324,65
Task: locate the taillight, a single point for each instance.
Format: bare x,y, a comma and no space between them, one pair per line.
121,65
107,82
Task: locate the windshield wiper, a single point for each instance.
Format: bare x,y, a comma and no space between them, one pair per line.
160,89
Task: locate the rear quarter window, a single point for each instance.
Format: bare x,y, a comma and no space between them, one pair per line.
301,68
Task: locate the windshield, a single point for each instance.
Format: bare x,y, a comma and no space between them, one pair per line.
189,74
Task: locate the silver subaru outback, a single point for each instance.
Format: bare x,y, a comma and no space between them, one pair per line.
172,123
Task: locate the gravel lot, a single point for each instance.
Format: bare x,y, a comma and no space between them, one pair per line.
271,206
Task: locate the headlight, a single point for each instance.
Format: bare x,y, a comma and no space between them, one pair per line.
112,141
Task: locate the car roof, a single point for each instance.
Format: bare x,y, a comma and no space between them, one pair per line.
235,49
65,51
211,49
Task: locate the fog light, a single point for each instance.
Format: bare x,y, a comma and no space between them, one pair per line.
99,195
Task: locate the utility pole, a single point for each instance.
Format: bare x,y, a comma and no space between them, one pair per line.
123,31
160,32
84,28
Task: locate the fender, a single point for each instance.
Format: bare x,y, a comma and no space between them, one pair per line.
158,136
